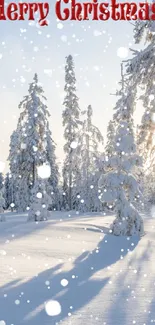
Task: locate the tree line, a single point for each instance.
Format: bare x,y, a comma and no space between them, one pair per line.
32,145
120,179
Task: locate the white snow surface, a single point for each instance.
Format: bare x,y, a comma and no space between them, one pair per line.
111,280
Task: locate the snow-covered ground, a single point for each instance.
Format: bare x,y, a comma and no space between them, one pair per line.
107,280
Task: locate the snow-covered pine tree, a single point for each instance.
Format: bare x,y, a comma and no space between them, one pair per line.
31,145
8,190
88,158
142,68
35,126
1,181
144,29
15,161
65,193
2,206
109,149
53,188
120,185
15,147
70,115
138,170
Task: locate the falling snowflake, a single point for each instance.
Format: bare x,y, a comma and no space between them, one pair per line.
44,171
52,308
96,68
151,97
64,38
59,25
64,282
48,72
12,205
22,79
17,302
73,145
2,322
39,195
23,145
97,33
35,148
2,252
122,52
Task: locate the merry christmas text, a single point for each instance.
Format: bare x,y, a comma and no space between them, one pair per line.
94,10
21,11
74,10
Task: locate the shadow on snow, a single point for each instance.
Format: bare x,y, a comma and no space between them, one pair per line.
83,285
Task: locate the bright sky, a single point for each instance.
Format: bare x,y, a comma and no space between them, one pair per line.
26,49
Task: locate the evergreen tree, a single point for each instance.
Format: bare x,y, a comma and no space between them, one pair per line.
142,69
2,206
120,184
31,145
109,149
15,160
34,136
53,186
70,115
8,190
65,194
88,158
1,181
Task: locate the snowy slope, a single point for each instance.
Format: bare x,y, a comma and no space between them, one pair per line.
111,280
